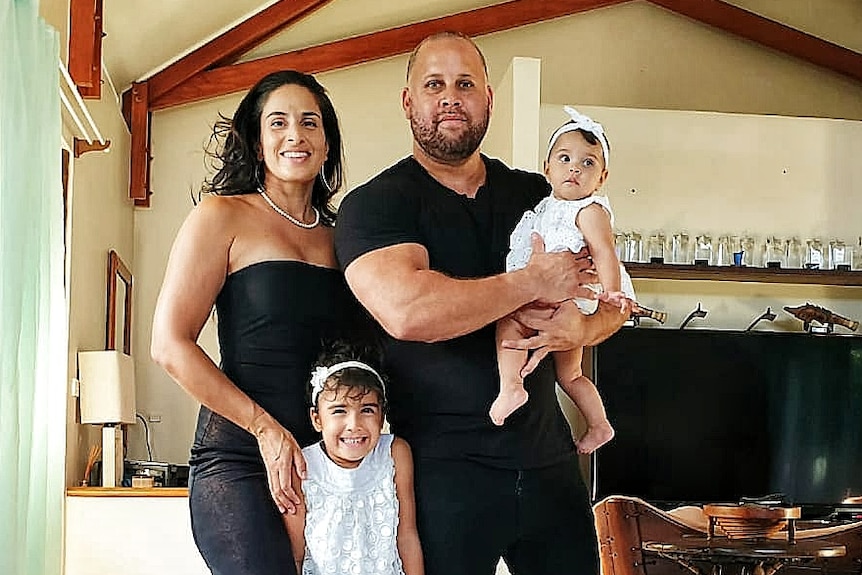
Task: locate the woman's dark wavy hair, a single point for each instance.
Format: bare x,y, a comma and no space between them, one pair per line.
234,142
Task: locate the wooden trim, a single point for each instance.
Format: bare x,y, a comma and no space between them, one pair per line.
232,44
65,162
127,492
360,49
85,46
744,274
769,33
139,153
117,271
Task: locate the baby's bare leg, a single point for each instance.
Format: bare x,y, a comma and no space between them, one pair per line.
509,362
585,395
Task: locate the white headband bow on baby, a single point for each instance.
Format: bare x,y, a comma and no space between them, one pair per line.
581,122
321,374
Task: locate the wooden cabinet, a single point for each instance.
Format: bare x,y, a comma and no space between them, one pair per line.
130,531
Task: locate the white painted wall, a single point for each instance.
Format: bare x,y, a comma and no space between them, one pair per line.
732,174
633,55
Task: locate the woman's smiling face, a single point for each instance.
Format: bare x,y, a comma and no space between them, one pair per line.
292,139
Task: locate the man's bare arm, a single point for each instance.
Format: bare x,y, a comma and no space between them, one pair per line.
414,303
565,328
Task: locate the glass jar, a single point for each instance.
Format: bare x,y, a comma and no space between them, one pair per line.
724,250
839,256
746,250
703,250
795,253
680,248
814,254
774,254
620,245
655,248
634,247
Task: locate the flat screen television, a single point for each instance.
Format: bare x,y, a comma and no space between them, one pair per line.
714,416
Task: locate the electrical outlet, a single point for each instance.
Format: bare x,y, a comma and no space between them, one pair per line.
75,387
154,418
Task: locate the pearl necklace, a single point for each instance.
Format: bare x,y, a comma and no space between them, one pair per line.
290,218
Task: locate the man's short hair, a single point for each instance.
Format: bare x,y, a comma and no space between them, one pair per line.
438,36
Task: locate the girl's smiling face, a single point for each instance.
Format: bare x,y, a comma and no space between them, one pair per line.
350,422
575,168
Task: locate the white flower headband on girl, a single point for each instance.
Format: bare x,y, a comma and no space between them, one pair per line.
581,122
321,374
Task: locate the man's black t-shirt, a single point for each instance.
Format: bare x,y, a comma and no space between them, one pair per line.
440,393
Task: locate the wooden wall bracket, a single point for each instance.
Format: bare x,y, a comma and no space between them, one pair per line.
81,147
139,117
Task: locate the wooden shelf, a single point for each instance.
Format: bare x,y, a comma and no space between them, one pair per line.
127,492
744,274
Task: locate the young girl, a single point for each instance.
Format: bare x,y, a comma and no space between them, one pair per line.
570,218
358,513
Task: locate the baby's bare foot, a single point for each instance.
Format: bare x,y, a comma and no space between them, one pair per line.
595,437
510,399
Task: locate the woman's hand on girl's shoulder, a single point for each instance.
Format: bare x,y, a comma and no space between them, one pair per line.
283,460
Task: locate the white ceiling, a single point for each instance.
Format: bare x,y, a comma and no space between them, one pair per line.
143,37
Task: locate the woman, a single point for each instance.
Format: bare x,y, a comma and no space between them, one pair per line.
259,246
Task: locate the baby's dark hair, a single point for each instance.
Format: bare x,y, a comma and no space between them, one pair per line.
591,138
357,380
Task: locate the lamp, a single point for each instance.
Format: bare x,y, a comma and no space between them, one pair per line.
108,398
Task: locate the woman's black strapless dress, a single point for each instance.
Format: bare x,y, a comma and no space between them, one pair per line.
272,318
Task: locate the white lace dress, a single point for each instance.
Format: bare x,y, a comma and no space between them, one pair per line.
352,514
554,220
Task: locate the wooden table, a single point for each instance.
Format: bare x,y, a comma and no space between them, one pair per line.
751,556
751,520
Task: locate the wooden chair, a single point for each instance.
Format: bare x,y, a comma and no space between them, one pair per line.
624,523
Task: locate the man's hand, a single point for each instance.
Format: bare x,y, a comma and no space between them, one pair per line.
560,276
559,328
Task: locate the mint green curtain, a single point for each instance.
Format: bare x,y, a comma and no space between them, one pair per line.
33,317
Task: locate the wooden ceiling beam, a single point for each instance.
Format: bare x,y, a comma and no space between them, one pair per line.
369,47
229,46
85,47
769,33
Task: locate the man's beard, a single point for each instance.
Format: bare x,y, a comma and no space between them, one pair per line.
447,149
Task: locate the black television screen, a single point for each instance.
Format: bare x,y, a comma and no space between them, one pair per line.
715,416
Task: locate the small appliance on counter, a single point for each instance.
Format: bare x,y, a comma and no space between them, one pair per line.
163,474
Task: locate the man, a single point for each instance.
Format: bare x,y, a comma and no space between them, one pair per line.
423,247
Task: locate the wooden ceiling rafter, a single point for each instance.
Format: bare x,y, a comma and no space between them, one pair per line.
477,22
369,47
769,33
222,50
229,46
209,71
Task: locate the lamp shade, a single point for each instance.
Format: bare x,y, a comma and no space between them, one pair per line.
107,386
